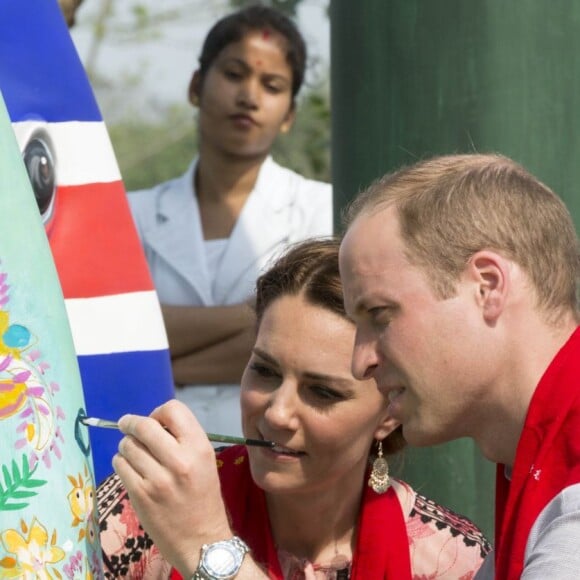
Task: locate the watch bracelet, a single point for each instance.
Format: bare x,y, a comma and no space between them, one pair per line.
201,574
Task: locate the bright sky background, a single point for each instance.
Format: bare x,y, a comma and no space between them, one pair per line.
159,65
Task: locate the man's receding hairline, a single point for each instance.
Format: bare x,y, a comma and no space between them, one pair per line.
369,209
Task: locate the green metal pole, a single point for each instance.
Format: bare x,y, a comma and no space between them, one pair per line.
415,78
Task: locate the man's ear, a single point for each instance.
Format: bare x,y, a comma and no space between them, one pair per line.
491,273
194,91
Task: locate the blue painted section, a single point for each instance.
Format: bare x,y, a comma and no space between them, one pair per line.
41,76
142,385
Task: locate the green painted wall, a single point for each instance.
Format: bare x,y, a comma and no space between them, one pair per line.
412,78
415,78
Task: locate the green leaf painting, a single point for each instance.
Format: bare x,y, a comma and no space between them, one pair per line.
18,485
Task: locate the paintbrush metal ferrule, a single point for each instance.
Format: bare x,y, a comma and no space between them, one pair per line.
215,437
95,422
239,440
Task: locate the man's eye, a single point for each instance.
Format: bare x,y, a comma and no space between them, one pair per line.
380,316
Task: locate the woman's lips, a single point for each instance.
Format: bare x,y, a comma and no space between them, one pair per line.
243,121
280,449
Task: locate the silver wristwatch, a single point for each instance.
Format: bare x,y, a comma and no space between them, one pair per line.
221,560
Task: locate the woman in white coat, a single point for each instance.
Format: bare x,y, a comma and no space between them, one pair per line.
209,233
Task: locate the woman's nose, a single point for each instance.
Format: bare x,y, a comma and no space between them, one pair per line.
281,409
248,95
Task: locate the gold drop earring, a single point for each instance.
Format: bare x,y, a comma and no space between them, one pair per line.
379,477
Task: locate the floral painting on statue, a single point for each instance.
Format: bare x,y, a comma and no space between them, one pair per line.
113,309
47,508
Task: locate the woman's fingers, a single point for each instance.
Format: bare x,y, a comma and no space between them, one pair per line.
168,466
178,419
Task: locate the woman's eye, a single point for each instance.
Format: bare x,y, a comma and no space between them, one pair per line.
232,75
263,371
274,89
325,393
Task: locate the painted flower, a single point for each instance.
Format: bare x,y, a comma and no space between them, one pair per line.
32,555
74,566
25,389
78,567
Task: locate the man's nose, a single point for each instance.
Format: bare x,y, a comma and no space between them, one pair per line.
364,357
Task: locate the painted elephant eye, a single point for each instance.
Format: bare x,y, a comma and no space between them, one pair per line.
40,166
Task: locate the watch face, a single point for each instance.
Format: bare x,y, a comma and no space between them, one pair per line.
222,560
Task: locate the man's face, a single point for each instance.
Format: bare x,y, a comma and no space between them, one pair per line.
424,352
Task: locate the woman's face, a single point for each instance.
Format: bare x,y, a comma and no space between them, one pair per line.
298,391
245,98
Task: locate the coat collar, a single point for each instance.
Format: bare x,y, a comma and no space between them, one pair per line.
261,227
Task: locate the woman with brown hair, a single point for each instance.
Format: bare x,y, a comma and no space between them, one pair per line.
319,504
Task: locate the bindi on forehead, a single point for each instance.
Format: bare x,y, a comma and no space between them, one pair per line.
263,48
266,35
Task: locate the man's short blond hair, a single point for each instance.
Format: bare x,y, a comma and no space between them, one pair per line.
452,206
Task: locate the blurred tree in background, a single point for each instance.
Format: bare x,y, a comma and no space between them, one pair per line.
287,6
156,142
149,153
306,148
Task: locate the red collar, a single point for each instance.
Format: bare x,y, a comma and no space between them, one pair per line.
382,548
547,459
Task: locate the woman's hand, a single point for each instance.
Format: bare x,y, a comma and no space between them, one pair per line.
168,467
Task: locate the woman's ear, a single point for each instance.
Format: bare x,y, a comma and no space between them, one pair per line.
386,427
288,120
195,88
491,273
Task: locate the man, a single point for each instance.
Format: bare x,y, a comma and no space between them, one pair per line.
460,273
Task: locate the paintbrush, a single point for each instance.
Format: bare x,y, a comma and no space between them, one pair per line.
107,424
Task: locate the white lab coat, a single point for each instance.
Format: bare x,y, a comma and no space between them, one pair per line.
283,208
